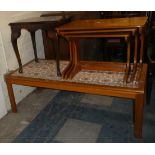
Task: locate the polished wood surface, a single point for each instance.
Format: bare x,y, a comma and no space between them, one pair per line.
130,22
103,28
84,15
112,31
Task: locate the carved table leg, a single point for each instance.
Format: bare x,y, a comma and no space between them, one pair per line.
34,45
14,36
11,97
139,106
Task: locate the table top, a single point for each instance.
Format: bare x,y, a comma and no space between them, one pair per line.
46,70
130,22
38,20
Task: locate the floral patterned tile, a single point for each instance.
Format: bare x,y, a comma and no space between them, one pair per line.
46,69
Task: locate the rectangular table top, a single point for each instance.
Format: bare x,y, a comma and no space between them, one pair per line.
43,74
39,20
46,70
130,22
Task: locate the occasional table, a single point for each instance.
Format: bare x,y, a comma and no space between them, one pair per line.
43,75
47,24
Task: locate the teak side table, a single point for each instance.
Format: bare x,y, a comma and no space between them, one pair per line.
72,38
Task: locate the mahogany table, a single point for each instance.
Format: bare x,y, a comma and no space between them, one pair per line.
47,24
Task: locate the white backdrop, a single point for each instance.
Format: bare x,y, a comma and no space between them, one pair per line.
8,60
3,70
3,110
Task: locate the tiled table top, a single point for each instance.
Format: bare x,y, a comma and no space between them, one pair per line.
46,69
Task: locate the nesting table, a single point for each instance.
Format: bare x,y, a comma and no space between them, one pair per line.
104,28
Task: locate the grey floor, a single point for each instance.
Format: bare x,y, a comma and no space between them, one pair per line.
13,123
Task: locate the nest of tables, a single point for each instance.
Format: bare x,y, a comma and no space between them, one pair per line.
104,28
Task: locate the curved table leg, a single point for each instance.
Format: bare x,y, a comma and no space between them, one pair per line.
67,70
76,59
73,66
14,36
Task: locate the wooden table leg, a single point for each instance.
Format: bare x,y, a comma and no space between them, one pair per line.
135,58
139,106
14,36
57,50
55,38
74,66
141,45
70,65
11,97
128,61
34,45
149,84
64,74
141,51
